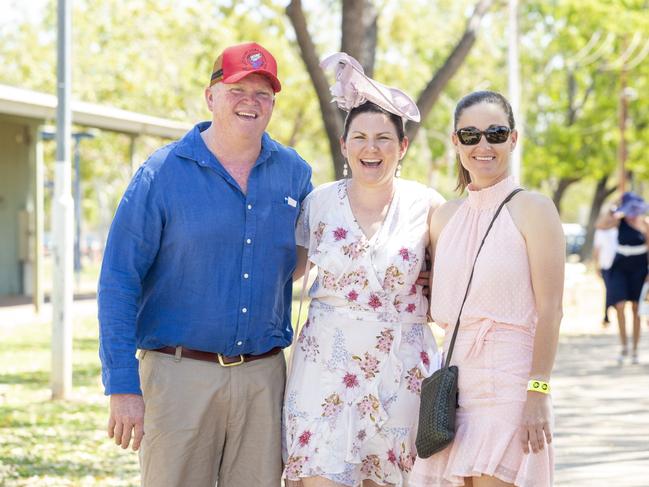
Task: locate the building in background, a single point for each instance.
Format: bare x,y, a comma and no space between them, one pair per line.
23,113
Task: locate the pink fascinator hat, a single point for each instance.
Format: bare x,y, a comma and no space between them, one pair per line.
353,88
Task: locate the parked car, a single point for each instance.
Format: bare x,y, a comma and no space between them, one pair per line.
575,237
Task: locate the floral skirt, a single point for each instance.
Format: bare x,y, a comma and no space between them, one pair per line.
352,398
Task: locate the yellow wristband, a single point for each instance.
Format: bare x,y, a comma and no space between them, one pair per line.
538,386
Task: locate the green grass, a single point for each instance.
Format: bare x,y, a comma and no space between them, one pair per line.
57,443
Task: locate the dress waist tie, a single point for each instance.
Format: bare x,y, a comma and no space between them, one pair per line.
479,338
478,331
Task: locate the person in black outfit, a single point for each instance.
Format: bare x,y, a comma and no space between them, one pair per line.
629,270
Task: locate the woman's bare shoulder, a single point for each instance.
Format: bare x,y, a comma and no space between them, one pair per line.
531,210
450,206
532,203
443,215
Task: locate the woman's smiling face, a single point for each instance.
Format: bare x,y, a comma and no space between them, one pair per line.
372,148
488,163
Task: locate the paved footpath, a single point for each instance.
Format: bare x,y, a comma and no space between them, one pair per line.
602,414
601,408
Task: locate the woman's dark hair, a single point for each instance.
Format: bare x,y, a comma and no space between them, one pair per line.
463,176
369,107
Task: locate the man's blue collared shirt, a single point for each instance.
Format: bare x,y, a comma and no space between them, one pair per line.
191,260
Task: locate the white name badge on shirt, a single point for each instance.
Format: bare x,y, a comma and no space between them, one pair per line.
290,201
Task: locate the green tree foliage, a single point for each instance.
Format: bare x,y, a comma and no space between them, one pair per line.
572,91
155,56
578,57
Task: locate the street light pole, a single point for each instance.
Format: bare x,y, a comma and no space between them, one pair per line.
514,83
62,208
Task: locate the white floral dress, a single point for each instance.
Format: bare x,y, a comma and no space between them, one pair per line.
352,396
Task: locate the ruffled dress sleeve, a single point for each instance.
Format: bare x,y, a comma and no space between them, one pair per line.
302,229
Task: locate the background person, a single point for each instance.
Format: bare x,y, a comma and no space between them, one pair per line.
604,250
629,269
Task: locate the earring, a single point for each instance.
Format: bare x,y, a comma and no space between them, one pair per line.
397,173
345,170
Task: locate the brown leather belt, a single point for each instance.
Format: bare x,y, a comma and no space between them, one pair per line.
224,360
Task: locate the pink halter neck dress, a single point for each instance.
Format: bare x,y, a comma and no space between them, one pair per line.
493,350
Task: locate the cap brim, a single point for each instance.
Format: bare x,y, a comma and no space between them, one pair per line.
274,82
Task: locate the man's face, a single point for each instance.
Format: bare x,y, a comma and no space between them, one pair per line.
244,106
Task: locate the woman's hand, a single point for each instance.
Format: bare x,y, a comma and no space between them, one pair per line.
536,422
423,279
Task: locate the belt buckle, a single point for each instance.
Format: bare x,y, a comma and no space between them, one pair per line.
223,364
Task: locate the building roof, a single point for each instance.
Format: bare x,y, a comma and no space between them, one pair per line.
42,106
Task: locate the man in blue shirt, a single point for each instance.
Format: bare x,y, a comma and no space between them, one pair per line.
197,274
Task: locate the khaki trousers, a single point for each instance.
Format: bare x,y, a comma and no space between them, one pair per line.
205,423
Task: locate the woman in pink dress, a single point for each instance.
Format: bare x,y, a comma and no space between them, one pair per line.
509,327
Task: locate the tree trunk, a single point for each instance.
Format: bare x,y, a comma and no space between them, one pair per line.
360,41
600,195
560,190
440,79
292,140
331,116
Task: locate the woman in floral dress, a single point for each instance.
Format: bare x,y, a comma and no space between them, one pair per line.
352,395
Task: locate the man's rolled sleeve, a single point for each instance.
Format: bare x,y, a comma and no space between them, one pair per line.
132,246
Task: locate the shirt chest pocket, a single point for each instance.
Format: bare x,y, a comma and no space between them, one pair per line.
281,222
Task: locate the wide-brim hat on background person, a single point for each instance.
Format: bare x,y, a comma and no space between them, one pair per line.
632,205
238,61
353,88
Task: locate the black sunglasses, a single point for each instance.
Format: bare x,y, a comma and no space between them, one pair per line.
495,134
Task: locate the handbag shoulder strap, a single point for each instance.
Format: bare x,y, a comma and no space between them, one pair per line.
468,286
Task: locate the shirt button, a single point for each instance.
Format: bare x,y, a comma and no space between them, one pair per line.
250,207
244,310
245,276
248,241
239,343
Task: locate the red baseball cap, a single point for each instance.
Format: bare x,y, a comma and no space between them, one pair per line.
237,62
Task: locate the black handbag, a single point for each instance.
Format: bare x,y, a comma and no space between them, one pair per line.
439,394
